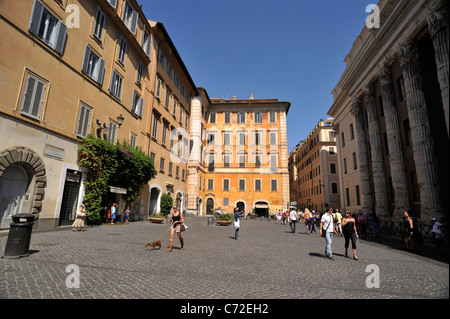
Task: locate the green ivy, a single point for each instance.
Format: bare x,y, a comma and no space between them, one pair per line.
117,165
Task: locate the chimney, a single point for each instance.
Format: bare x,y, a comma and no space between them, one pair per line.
252,97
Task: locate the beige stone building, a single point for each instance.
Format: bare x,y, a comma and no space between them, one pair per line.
314,170
391,113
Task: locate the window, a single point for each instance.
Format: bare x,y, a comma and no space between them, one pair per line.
130,17
226,159
273,138
273,162
257,185
116,84
146,41
112,130
343,139
225,201
258,160
227,118
83,121
47,27
170,169
345,166
258,117
175,102
352,133
241,117
136,106
274,185
177,172
241,138
332,168
152,157
167,98
358,198
155,125
226,185
258,138
347,195
164,135
122,50
158,88
272,117
210,184
241,160
99,24
242,185
211,139
334,188
355,161
140,72
93,65
212,118
227,138
183,173
211,163
161,165
33,97
331,151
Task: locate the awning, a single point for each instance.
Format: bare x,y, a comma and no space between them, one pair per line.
117,190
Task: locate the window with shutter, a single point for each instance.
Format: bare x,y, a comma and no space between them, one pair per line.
116,84
33,97
130,17
47,27
136,107
93,65
83,121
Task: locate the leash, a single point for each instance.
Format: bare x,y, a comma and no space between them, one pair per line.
164,233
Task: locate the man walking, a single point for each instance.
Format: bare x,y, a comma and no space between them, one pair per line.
326,225
293,216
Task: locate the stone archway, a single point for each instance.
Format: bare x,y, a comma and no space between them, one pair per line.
33,164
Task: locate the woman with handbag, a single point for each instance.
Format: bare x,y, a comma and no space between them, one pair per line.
79,220
178,220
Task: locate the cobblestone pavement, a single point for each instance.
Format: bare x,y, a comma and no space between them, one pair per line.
267,262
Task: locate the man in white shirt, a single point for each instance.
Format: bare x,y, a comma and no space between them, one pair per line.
326,225
293,216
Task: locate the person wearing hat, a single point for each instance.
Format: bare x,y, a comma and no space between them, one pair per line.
438,236
237,222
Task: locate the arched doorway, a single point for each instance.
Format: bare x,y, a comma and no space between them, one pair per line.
155,195
13,187
209,206
261,209
241,206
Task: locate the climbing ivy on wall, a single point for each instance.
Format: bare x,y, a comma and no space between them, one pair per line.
117,165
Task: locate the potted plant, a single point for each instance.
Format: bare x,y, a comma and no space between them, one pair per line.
157,217
225,219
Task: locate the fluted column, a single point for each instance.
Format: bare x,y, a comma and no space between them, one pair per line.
398,173
379,181
363,158
284,160
439,30
422,141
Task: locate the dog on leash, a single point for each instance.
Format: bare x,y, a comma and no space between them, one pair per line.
154,244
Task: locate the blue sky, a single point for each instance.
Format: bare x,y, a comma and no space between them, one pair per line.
291,50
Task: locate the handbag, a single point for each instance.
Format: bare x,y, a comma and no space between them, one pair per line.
183,227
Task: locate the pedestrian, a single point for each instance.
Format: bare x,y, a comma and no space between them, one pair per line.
237,222
438,236
312,228
361,224
278,212
284,216
327,230
307,220
412,235
79,219
337,222
127,214
177,219
293,217
350,233
113,212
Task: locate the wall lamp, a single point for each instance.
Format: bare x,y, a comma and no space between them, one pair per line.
120,120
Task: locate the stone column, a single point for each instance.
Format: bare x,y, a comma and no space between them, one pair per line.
284,159
195,155
363,158
422,140
379,180
398,173
438,25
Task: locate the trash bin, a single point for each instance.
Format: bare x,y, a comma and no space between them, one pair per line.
19,236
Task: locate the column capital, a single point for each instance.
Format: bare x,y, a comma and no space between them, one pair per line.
407,53
385,75
437,20
356,105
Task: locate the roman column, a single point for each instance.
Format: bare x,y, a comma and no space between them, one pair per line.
195,155
422,140
398,173
379,180
363,158
438,28
284,159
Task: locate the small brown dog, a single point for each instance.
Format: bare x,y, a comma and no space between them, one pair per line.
154,244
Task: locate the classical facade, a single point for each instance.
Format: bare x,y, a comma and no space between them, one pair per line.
313,170
393,96
239,155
